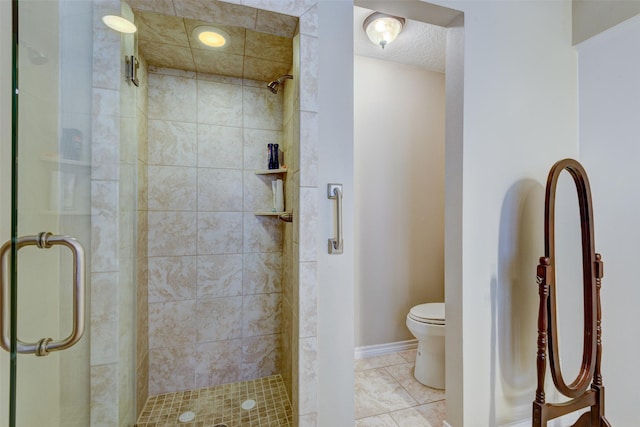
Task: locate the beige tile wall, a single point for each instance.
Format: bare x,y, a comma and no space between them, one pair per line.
104,220
114,224
182,147
300,245
215,281
127,238
308,204
142,278
300,277
290,258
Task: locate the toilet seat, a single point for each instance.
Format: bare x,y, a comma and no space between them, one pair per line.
426,323
431,313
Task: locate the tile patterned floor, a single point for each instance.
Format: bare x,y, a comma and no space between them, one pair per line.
220,406
387,394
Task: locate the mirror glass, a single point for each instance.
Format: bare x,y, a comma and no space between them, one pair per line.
569,287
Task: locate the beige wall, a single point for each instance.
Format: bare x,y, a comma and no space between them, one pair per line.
399,195
519,117
591,17
609,85
215,284
335,273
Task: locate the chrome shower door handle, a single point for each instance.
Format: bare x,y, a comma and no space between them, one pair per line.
44,346
334,192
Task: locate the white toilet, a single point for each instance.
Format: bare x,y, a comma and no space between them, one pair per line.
426,323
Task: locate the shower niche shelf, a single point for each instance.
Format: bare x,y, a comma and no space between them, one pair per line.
271,171
270,213
66,186
66,213
283,214
63,161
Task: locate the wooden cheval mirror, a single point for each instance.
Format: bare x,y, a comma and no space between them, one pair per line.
586,391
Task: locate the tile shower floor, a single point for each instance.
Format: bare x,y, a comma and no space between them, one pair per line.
387,394
221,406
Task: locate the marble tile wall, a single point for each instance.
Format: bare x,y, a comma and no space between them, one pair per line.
290,259
104,219
179,141
307,201
259,49
214,268
142,262
300,245
114,222
127,237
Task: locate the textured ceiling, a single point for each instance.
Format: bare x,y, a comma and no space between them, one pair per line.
260,47
419,44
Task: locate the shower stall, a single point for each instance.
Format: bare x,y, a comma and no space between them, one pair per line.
190,280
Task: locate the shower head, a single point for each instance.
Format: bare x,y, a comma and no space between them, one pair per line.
275,85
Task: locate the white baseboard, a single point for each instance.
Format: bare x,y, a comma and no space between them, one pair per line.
382,349
521,423
565,421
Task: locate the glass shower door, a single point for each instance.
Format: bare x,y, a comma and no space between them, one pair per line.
45,379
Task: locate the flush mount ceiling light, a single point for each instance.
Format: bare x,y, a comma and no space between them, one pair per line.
210,36
119,24
382,29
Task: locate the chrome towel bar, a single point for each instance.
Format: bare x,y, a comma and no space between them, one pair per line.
334,192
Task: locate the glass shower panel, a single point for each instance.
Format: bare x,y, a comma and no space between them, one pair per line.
51,183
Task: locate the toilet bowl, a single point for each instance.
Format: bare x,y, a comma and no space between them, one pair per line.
426,322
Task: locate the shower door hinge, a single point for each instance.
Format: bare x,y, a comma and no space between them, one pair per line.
132,66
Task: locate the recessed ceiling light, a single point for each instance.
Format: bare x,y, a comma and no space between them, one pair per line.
119,24
210,36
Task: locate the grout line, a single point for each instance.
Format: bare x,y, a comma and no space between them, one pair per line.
397,383
223,403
